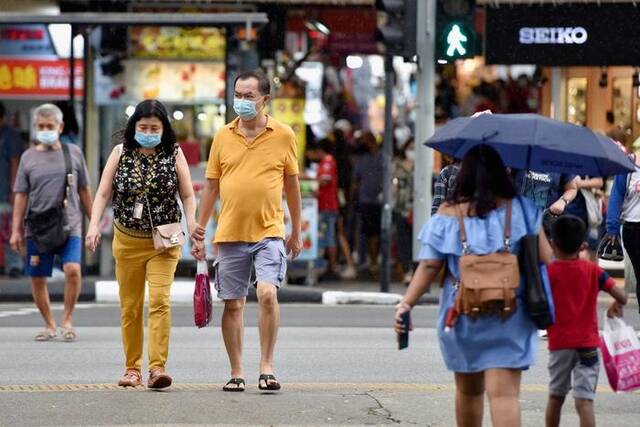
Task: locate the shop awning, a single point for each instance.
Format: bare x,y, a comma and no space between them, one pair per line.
138,18
554,2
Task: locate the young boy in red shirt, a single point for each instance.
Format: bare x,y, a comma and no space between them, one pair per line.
573,339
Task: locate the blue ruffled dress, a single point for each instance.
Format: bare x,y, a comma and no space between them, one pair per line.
487,342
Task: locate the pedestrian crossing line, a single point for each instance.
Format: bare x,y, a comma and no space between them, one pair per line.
429,388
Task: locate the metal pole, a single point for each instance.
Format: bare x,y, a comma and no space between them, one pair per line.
557,86
387,156
425,121
72,72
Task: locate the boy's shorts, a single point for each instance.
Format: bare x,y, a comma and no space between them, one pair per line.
583,364
234,262
41,264
327,230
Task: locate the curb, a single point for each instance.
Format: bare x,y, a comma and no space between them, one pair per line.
97,290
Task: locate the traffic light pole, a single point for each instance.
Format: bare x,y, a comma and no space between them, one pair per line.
387,158
425,117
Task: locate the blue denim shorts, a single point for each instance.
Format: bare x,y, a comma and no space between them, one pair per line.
235,262
327,230
41,264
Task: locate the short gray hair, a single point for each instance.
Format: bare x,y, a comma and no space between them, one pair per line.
47,110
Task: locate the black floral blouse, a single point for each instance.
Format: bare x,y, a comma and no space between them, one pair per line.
155,173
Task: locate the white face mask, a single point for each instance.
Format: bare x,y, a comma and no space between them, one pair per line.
47,137
411,154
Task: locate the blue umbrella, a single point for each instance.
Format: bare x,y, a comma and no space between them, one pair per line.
534,142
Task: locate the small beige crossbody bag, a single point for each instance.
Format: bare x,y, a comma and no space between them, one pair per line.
166,235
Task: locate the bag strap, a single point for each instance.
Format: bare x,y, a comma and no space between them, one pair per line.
507,229
68,174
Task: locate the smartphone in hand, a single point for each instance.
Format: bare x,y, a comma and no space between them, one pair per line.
403,339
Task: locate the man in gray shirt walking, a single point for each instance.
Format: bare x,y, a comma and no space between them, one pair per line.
39,184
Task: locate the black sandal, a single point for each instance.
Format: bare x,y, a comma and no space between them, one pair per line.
272,386
237,382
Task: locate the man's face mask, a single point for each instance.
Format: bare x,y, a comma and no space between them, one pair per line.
245,108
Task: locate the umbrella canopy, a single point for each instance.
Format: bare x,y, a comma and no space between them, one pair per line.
534,142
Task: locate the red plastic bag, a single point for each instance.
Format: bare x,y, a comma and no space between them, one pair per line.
621,354
202,304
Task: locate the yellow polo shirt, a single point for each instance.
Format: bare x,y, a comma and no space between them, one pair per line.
252,180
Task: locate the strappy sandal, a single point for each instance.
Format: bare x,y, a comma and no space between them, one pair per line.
234,385
270,382
68,334
131,378
45,335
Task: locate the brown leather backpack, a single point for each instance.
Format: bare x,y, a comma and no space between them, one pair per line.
487,283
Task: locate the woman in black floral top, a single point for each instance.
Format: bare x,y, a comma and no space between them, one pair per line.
145,175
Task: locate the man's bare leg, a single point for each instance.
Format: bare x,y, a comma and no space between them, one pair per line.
40,292
268,321
72,289
232,332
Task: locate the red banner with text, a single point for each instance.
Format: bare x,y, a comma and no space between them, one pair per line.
38,78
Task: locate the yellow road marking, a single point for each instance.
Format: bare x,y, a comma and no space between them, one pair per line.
429,388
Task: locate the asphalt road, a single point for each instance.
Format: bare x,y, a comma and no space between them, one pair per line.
338,366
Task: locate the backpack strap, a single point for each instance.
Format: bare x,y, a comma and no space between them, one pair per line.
463,231
507,229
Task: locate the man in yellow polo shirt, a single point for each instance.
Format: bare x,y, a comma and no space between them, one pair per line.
252,160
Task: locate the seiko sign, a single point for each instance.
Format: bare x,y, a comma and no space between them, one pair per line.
553,35
565,33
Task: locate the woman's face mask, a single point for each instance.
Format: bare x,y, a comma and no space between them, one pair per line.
148,140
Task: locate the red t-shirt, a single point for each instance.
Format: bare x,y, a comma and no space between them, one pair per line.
328,193
575,285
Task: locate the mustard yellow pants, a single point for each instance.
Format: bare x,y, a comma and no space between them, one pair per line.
137,262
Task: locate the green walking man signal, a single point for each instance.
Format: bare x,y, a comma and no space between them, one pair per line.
456,40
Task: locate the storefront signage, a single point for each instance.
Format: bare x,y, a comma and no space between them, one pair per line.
553,35
26,40
178,43
563,35
38,78
179,82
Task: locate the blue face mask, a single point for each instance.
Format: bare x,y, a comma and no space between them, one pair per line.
148,140
245,108
47,137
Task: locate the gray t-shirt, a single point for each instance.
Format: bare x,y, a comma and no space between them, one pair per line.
41,175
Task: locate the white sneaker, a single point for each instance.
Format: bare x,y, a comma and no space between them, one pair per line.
542,333
349,273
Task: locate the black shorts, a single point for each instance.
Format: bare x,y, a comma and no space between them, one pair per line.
370,218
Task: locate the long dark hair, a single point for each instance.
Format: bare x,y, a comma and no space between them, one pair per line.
481,181
150,108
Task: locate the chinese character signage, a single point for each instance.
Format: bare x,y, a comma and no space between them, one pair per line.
38,78
178,43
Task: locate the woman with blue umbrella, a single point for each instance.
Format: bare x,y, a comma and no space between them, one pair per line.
488,352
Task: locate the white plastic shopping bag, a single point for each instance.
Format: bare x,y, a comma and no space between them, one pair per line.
621,354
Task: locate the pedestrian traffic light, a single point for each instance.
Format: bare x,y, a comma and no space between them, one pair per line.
398,33
456,35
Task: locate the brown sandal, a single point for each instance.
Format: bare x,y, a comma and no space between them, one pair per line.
158,379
